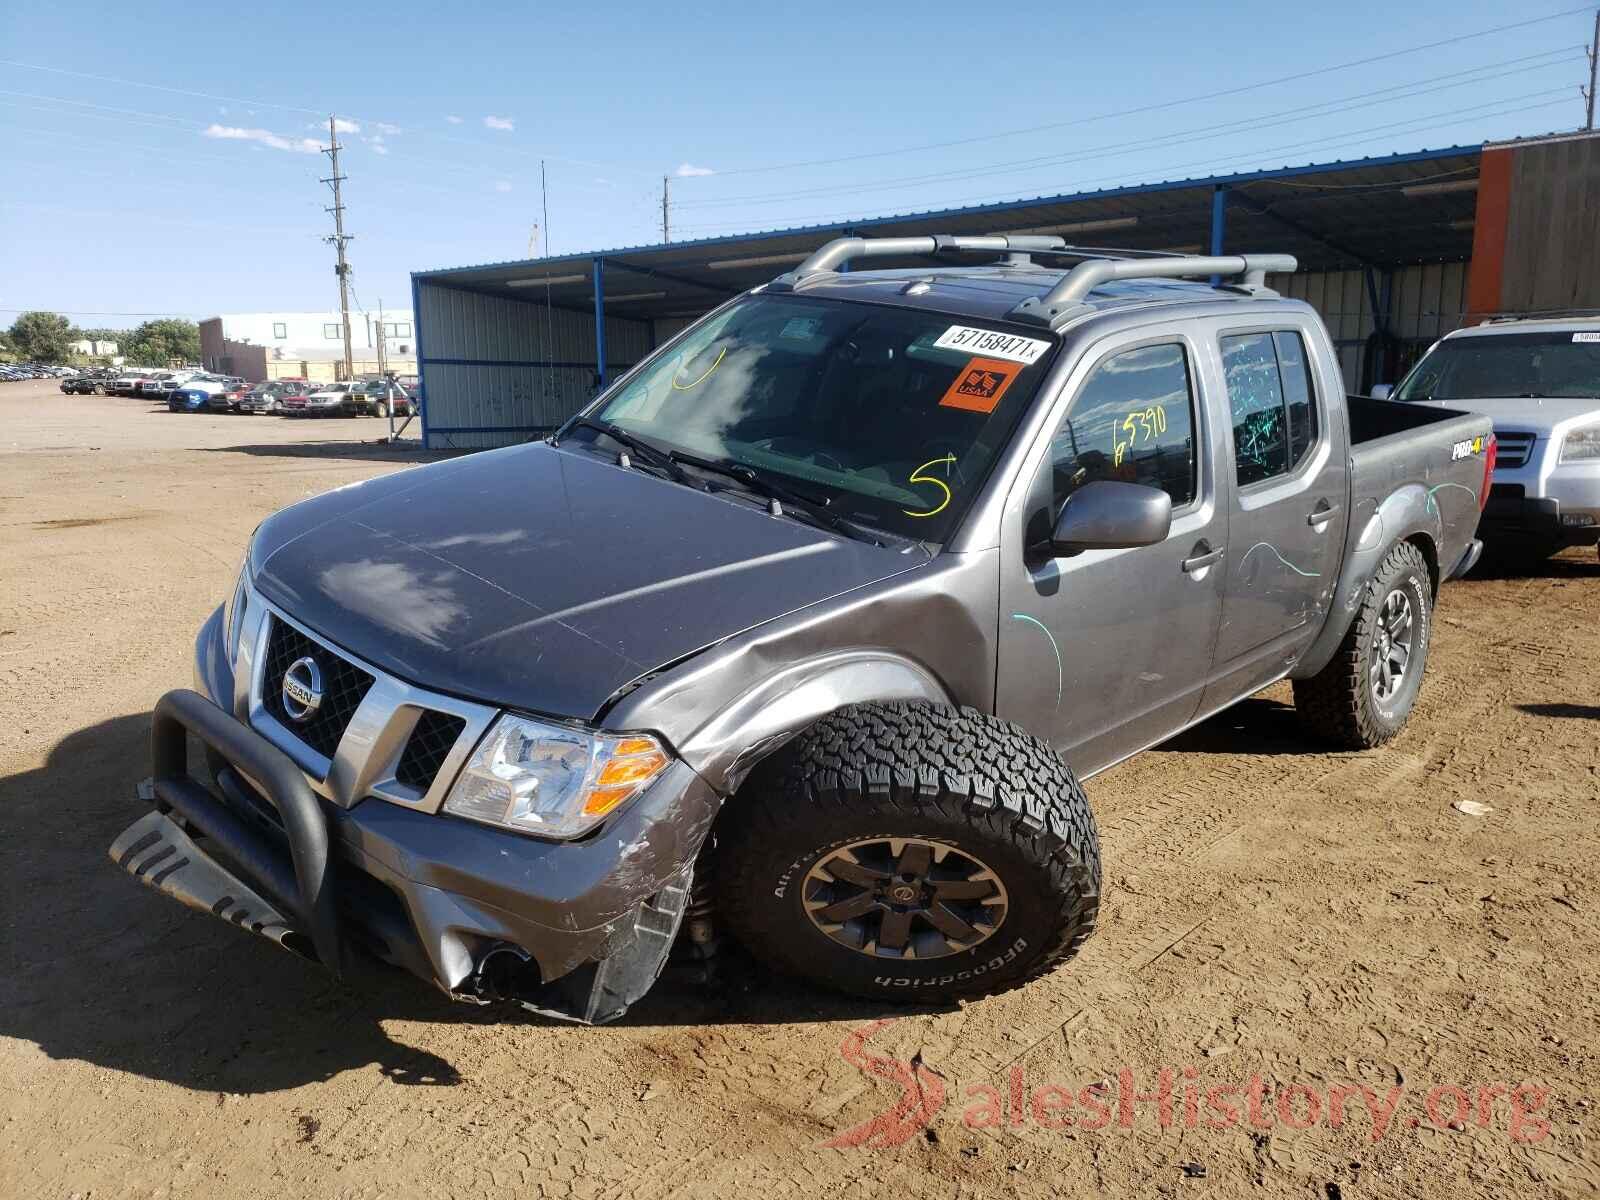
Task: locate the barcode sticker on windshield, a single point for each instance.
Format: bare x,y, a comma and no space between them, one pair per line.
1586,337
995,345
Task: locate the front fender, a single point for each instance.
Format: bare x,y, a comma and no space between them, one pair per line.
759,720
1409,513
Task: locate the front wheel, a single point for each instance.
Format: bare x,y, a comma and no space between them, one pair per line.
380,409
911,853
1364,696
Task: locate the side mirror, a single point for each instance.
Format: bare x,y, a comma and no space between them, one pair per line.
1382,391
1110,515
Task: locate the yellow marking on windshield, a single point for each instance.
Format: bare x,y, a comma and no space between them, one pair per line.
689,387
917,476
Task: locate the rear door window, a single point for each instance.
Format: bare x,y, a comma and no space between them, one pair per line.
1271,401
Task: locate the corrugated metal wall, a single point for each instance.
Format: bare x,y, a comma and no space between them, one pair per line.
1426,302
495,371
1552,253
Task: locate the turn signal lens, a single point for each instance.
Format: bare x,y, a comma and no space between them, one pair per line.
603,800
633,769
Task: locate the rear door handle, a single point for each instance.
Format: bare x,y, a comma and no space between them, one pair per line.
1322,514
1204,559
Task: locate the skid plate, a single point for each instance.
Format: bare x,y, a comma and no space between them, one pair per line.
160,855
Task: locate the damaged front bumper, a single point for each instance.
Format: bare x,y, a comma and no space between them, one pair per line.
578,930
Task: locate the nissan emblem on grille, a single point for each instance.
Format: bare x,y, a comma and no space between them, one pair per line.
302,688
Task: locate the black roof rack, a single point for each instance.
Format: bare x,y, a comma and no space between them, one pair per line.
1065,299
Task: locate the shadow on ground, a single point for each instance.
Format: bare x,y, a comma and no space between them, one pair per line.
406,450
101,969
1582,712
1577,563
1255,726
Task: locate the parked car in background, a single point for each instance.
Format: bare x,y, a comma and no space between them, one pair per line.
325,400
380,397
267,397
83,384
1539,382
148,387
230,390
196,394
126,383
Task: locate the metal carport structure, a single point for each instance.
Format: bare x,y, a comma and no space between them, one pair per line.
508,350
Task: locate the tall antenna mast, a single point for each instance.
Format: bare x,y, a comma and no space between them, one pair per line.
666,200
339,239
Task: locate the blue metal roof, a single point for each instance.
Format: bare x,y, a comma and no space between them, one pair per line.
1003,207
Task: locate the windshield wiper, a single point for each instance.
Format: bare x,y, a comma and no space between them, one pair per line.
815,507
653,455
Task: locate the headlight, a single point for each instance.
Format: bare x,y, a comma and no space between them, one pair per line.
550,780
1581,445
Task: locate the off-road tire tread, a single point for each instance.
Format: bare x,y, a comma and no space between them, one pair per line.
1335,705
903,758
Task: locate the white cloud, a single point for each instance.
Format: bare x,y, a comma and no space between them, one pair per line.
265,137
340,125
383,127
688,170
502,186
502,123
379,148
454,120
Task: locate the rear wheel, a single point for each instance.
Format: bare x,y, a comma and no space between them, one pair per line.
1364,696
911,853
380,409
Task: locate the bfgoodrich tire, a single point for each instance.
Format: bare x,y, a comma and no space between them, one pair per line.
911,853
1364,696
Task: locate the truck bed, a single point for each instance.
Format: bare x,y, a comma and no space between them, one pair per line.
1372,420
1404,456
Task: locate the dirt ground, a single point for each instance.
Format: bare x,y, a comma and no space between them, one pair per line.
1283,927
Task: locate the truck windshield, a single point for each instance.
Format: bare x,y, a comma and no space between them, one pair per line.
892,418
1496,366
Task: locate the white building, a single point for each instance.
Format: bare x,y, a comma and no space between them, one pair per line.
307,344
93,348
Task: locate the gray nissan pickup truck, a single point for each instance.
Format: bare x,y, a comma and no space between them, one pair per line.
807,631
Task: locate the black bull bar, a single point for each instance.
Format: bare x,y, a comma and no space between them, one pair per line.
302,886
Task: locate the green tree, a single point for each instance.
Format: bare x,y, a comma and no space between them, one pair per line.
156,343
42,337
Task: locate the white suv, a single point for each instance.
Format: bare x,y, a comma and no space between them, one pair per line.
1539,382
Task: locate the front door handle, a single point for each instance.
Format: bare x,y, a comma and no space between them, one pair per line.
1322,514
1204,558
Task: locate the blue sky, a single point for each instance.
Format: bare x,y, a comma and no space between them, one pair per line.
199,194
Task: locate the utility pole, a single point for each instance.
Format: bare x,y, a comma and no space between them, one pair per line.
382,347
1593,49
666,197
339,239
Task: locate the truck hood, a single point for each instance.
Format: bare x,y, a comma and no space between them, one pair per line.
543,579
1532,413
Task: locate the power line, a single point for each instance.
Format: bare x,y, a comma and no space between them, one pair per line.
1161,105
1213,165
155,87
1287,116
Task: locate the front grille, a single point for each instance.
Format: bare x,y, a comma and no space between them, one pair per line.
1514,448
429,745
344,686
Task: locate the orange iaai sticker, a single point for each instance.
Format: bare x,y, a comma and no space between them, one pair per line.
980,384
